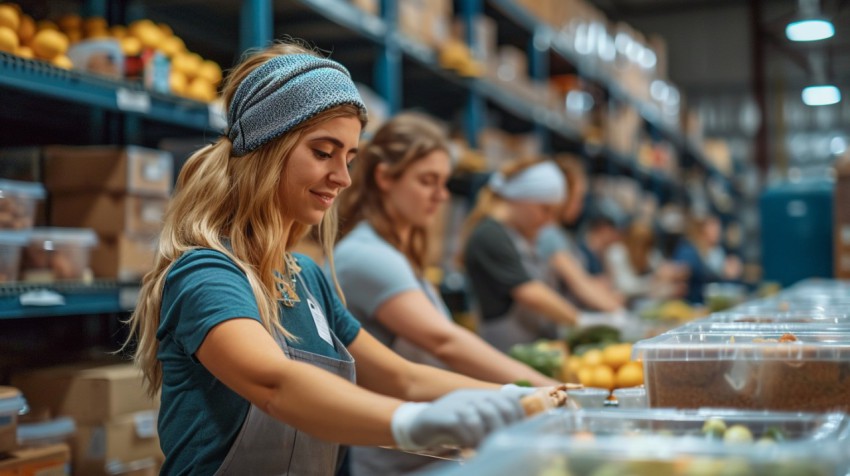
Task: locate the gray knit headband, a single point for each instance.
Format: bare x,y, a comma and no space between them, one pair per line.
281,94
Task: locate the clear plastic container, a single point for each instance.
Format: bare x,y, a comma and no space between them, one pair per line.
747,369
12,404
589,397
722,296
17,204
46,433
58,253
11,244
631,397
807,316
664,443
804,324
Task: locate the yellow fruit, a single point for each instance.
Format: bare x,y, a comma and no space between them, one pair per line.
177,82
8,40
616,355
10,17
165,29
63,62
147,32
602,377
95,34
194,63
172,46
25,52
592,358
49,44
211,71
181,62
118,31
131,46
26,30
630,375
74,36
46,25
93,24
200,90
70,22
585,376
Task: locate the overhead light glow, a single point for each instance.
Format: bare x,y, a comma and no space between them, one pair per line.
809,30
822,95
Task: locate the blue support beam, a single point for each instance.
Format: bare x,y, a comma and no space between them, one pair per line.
388,66
538,65
256,24
475,107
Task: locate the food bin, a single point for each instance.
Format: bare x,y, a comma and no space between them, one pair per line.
11,244
589,397
747,369
58,254
51,432
665,442
630,397
12,403
17,203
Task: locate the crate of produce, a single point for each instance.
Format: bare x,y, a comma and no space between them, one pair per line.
11,244
57,254
759,369
12,403
17,204
665,442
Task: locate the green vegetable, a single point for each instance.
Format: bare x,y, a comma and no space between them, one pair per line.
774,434
592,335
714,428
523,383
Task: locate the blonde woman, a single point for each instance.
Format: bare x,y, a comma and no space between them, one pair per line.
511,282
249,345
398,185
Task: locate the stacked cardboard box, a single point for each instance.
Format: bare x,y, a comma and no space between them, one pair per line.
426,21
116,420
121,193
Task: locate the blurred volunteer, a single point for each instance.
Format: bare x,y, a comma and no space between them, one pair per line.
253,352
399,185
510,281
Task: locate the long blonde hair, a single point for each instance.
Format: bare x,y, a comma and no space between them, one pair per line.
399,143
230,205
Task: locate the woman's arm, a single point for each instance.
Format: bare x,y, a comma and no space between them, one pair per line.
544,300
411,316
241,354
589,291
381,370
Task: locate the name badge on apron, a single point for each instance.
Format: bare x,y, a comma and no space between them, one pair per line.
321,321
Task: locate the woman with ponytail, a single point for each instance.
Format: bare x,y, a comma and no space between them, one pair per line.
249,345
511,283
398,185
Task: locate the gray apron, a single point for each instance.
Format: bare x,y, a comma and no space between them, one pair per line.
371,461
266,446
521,325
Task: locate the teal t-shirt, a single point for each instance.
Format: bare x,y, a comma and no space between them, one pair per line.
199,416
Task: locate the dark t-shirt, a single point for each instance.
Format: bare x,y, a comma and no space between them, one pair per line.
494,267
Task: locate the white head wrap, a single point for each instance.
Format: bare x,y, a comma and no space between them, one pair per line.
541,183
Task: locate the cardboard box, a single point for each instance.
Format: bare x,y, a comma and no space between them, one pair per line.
109,214
53,460
368,6
123,257
121,445
90,393
131,169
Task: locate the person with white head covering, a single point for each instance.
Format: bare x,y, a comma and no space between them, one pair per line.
510,282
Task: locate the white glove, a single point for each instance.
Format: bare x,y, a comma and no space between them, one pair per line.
462,418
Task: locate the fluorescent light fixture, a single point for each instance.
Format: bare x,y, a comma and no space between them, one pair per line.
809,30
822,95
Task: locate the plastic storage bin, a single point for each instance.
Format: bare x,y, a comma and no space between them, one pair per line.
11,404
11,244
58,253
17,204
739,369
46,433
631,397
663,443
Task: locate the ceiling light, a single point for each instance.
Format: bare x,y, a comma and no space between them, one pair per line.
811,29
821,95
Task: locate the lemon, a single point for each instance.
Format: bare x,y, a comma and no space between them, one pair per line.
62,61
74,36
70,22
165,29
585,376
629,375
25,52
26,30
10,17
172,46
616,355
49,44
93,24
94,34
211,71
603,377
8,40
177,82
118,31
200,90
147,32
131,46
46,25
592,358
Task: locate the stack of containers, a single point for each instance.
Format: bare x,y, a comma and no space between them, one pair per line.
106,405
49,459
121,193
18,202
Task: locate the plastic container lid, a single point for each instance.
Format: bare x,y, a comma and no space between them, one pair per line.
589,397
769,329
631,397
11,401
14,237
46,432
15,188
72,236
743,345
811,316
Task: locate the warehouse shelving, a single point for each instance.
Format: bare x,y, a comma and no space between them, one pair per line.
24,300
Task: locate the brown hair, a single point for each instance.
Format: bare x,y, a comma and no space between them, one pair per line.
639,242
230,205
399,143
